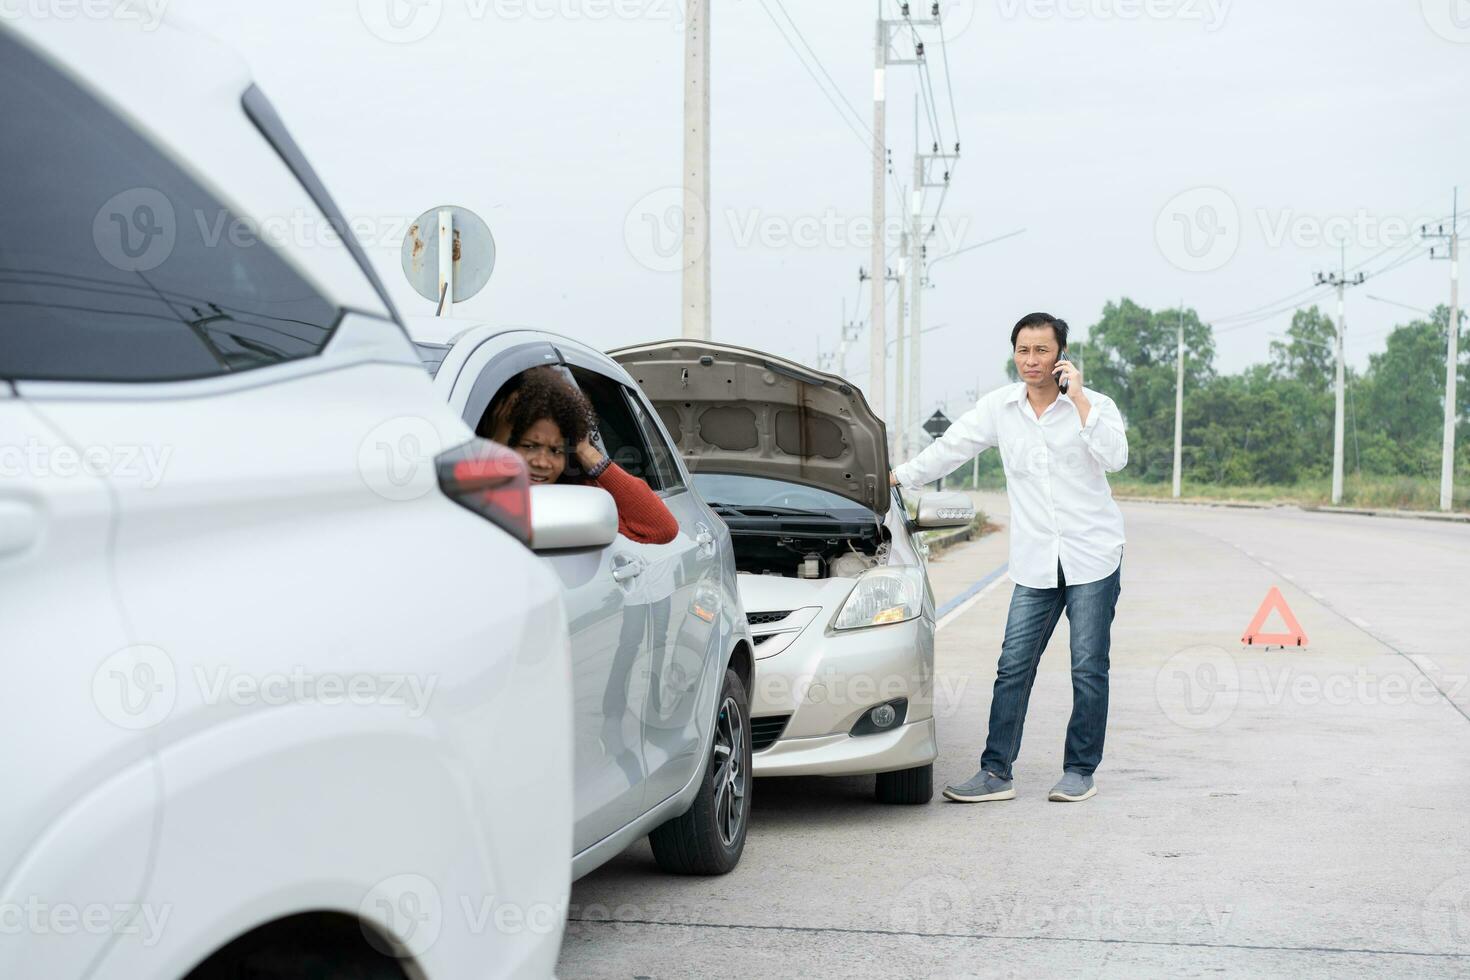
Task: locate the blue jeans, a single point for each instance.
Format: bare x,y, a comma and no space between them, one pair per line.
1029,624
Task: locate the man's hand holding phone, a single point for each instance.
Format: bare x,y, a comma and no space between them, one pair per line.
1068,375
1069,382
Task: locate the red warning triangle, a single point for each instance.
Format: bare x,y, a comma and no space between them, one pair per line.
1274,600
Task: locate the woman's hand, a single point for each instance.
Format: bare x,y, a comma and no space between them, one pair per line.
588,455
500,419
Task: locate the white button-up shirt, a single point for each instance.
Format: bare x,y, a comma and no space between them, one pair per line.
1062,509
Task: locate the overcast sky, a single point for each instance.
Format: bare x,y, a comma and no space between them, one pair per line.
1156,149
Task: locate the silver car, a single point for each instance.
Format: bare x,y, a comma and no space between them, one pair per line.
831,575
662,658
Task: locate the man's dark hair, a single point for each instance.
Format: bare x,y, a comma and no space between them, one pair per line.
1058,326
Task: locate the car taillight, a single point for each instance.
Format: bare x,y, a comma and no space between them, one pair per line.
490,480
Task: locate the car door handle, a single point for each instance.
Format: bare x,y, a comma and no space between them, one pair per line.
626,568
704,539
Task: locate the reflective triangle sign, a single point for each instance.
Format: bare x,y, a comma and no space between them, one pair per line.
1294,635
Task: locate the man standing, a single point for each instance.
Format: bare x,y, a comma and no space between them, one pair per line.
1057,441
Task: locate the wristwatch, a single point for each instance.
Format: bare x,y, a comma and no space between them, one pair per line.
599,469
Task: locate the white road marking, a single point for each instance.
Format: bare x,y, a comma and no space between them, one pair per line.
963,607
1360,623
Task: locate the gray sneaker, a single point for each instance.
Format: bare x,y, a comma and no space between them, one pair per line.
982,788
1074,787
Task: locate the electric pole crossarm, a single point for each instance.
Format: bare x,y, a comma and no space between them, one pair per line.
1452,356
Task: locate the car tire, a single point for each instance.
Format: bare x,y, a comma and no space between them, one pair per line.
906,786
708,838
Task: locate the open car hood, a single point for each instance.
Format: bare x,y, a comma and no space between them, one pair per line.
734,410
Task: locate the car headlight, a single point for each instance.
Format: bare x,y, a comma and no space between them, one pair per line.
882,595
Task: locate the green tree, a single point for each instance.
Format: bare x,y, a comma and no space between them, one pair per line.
1130,356
1401,399
1309,353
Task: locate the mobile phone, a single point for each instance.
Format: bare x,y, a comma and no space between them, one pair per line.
1062,381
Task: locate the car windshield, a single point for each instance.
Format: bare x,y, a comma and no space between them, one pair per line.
724,489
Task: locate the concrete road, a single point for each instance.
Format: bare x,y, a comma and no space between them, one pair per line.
1301,812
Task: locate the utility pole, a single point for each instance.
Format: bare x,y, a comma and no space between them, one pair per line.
899,414
1179,402
1341,281
918,252
908,409
974,463
1452,356
882,58
878,338
696,286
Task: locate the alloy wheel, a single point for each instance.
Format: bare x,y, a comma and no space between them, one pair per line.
731,776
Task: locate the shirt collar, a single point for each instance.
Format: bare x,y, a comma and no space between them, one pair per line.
1018,394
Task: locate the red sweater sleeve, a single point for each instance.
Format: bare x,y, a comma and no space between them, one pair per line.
642,516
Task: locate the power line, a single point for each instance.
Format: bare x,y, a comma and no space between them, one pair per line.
866,140
1274,308
826,74
949,83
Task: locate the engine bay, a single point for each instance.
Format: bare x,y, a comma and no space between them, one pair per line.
808,551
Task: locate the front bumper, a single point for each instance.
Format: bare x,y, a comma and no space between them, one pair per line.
822,682
905,747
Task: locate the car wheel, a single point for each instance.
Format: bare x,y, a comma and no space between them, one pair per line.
707,839
906,786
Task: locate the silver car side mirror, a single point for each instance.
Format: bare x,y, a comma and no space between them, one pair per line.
948,508
570,516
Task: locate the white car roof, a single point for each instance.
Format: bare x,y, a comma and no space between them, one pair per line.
425,328
181,90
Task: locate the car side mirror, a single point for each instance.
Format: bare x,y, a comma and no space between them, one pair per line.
948,508
570,516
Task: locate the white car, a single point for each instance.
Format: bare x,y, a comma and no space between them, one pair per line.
662,658
261,720
831,576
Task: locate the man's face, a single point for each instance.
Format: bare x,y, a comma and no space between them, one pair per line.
1036,354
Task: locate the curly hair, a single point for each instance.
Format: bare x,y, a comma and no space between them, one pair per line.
544,394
